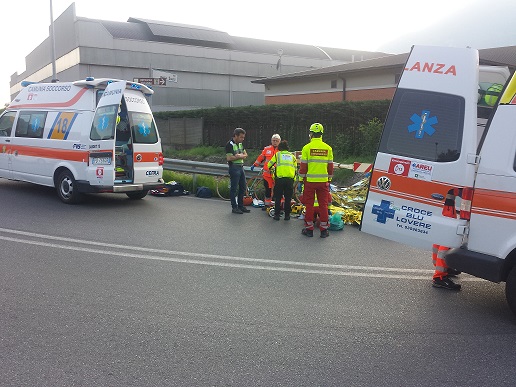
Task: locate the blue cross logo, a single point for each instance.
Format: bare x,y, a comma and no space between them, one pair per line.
143,129
422,124
103,123
383,211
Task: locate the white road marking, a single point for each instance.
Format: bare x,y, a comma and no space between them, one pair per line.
274,265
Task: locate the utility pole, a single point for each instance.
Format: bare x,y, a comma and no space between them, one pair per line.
53,42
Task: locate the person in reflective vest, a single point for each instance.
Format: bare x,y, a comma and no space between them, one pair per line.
235,156
316,170
284,172
264,158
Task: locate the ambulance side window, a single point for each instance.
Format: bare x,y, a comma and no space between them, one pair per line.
424,125
6,124
103,127
31,124
99,95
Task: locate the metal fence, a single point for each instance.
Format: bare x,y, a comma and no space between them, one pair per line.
180,133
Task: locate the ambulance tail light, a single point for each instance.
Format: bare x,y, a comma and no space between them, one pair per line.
161,160
465,203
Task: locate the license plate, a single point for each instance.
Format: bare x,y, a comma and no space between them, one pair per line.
101,161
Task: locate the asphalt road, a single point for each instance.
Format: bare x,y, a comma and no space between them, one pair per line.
178,291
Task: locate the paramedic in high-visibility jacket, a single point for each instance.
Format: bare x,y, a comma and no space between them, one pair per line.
264,158
285,172
316,170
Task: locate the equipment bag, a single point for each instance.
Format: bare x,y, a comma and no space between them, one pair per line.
203,192
336,222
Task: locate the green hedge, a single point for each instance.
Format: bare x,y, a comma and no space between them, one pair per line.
341,120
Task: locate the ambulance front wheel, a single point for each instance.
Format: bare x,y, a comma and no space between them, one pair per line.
510,289
67,188
135,195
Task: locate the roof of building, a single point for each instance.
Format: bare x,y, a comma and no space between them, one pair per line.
498,56
159,31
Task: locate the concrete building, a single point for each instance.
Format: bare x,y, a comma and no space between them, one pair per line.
372,79
196,67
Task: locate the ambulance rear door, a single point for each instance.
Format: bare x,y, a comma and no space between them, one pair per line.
146,143
101,170
427,149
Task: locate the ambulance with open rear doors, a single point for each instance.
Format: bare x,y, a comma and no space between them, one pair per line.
449,142
94,135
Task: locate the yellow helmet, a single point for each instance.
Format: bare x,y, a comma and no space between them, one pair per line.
317,128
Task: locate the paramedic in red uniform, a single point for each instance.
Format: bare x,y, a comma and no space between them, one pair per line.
264,158
316,170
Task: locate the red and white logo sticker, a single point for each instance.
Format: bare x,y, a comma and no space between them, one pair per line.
100,172
399,166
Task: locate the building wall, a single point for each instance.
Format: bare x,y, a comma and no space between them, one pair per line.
373,85
204,76
303,98
351,95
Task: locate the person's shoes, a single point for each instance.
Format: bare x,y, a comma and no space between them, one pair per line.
276,217
287,217
452,272
244,209
445,283
308,233
236,211
325,234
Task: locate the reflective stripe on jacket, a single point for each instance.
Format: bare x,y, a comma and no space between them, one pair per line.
316,161
285,164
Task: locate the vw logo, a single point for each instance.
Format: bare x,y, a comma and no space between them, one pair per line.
384,183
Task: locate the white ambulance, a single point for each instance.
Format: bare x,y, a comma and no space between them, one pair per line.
94,135
450,136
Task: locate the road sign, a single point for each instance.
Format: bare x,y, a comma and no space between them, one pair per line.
161,81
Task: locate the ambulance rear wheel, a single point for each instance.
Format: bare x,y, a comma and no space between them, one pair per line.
67,188
135,195
510,289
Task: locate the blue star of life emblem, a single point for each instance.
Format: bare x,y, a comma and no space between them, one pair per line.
103,123
35,124
143,129
422,124
383,211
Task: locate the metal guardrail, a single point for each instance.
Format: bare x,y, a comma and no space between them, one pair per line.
202,168
215,169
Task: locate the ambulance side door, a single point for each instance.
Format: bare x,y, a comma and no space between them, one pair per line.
427,149
101,168
6,128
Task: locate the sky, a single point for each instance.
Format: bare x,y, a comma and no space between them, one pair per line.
350,24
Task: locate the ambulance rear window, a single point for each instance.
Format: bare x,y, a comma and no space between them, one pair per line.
103,127
424,125
143,128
